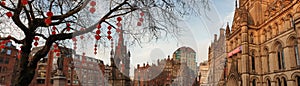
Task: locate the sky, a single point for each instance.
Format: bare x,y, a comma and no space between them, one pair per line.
198,35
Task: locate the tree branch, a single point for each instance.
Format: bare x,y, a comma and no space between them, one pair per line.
7,8
71,12
12,38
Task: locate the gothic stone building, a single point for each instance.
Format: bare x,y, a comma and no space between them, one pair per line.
117,73
167,72
263,44
216,59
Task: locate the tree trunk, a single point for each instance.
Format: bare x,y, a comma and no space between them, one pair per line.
24,76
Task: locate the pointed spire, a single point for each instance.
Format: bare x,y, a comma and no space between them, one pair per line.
227,30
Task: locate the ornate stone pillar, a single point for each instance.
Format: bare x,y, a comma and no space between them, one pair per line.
245,57
264,64
287,58
273,61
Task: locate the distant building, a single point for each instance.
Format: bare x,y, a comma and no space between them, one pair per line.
186,55
203,72
79,70
8,59
216,59
167,72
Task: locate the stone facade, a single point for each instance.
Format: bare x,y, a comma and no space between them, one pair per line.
263,44
203,72
216,59
167,72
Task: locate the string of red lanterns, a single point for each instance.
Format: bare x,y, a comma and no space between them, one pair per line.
139,23
93,4
36,39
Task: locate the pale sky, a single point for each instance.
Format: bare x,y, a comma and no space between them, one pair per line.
198,36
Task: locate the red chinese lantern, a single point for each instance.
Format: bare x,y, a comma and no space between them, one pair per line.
54,28
119,24
9,14
109,27
55,46
139,24
81,37
53,32
98,32
142,14
119,19
93,3
92,10
109,37
3,3
99,26
48,21
108,32
36,38
35,43
141,19
97,37
74,39
24,2
68,28
57,54
49,14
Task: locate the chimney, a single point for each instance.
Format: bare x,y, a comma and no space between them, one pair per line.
222,31
216,37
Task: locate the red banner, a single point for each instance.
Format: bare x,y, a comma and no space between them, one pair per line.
235,51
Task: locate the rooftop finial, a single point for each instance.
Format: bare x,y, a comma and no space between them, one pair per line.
235,3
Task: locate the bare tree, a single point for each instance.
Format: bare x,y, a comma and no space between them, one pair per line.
58,20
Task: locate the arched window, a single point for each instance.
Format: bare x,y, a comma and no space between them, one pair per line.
284,81
280,57
296,51
278,82
291,21
254,82
252,60
268,60
265,35
251,39
268,82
